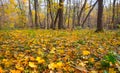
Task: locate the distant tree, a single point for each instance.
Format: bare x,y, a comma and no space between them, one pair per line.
30,14
88,14
49,8
2,13
81,11
74,14
99,16
59,14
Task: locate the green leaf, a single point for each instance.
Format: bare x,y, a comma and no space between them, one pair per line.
111,58
105,71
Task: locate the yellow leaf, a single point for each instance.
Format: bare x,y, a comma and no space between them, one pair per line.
52,50
7,63
19,68
60,65
1,70
81,64
32,65
15,71
61,51
52,66
111,70
94,71
40,60
85,52
91,60
39,52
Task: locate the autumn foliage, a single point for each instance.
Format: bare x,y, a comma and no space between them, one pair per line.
48,51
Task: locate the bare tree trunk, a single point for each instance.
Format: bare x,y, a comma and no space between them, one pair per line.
113,14
89,17
88,14
3,14
51,14
117,12
60,23
80,14
99,17
55,21
36,12
109,25
73,20
30,15
47,15
69,15
66,12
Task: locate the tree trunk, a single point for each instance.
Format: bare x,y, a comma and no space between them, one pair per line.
80,14
99,16
51,14
2,16
55,21
117,12
36,12
113,14
30,15
47,15
73,17
22,12
88,14
60,23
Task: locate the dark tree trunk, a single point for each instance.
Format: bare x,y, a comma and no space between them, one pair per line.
36,12
113,14
99,16
55,21
117,13
60,23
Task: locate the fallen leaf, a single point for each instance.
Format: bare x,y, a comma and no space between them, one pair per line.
32,65
85,52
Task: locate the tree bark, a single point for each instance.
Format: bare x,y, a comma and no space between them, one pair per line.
99,16
51,14
113,14
55,21
3,15
73,17
88,14
36,12
80,14
30,15
61,5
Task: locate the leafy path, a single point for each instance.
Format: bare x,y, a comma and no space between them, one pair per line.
48,51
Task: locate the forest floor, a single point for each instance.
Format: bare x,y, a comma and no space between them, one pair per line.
59,51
